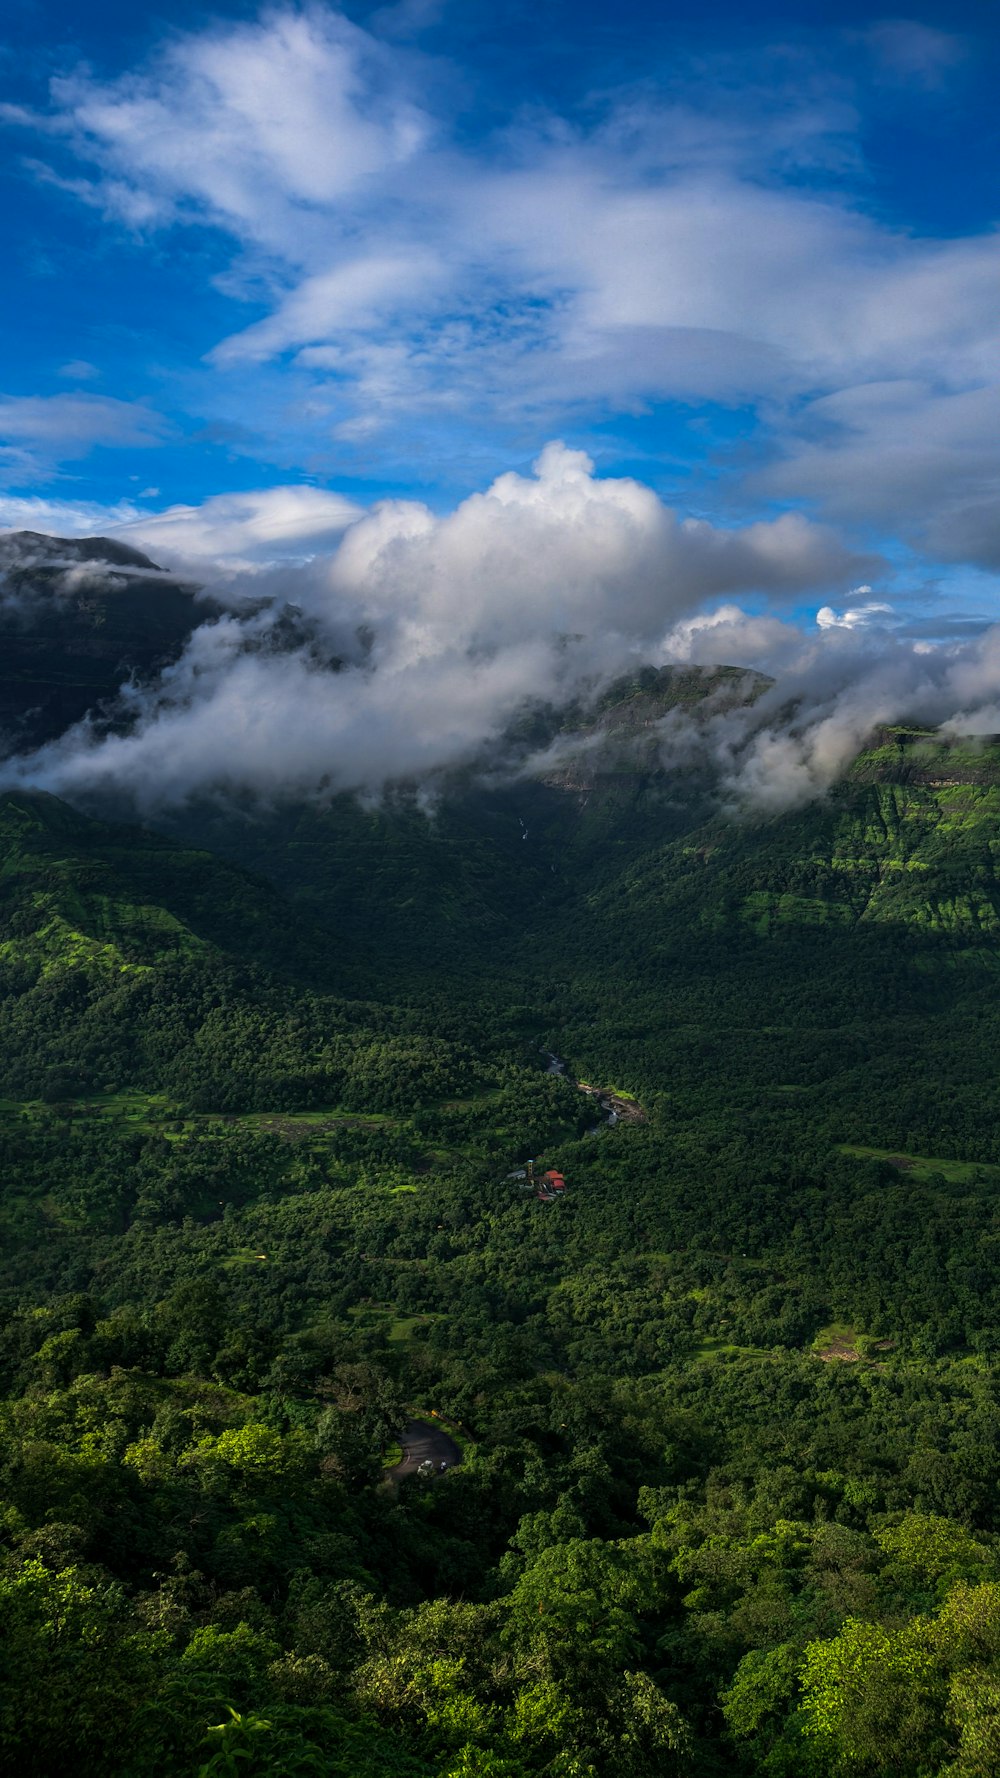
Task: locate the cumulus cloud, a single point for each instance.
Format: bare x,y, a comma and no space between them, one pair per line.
856,617
418,637
730,636
406,647
564,550
366,647
831,691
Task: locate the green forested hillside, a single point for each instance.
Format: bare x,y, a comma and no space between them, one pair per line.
727,1408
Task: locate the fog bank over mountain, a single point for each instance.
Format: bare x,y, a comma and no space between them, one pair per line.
407,643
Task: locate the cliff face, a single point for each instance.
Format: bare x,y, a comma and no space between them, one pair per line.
78,617
926,756
619,744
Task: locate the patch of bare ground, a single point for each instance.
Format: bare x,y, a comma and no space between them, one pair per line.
846,1351
839,1352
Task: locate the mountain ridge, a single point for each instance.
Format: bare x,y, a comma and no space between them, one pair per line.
79,618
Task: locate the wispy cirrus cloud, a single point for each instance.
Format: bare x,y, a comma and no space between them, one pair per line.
39,432
913,52
64,518
259,127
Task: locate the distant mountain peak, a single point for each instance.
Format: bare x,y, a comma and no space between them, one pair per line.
35,549
79,616
619,735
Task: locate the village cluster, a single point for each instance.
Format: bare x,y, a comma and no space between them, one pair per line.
547,1186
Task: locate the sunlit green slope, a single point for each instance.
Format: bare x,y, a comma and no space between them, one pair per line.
910,838
74,890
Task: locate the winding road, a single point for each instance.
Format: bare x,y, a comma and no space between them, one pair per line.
424,1443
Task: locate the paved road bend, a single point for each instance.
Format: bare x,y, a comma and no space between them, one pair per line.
422,1443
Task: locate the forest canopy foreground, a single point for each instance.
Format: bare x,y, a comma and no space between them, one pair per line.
727,1407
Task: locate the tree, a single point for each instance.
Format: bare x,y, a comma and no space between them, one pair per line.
75,1673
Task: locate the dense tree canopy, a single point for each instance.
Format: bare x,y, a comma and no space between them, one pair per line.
728,1407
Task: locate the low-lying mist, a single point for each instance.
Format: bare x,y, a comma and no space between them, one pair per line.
409,645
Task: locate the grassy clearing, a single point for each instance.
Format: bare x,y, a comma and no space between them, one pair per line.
714,1346
923,1166
398,1330
154,1108
488,1097
155,1114
148,1111
309,1122
403,1327
838,1342
842,1343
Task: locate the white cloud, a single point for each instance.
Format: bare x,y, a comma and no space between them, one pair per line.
441,627
667,249
730,636
351,296
38,431
261,126
63,518
420,636
662,253
563,551
829,699
902,452
234,530
220,539
79,370
856,617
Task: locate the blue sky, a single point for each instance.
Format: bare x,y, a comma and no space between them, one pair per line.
392,250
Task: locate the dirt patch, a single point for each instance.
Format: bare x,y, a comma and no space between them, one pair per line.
628,1111
842,1349
839,1352
279,1126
